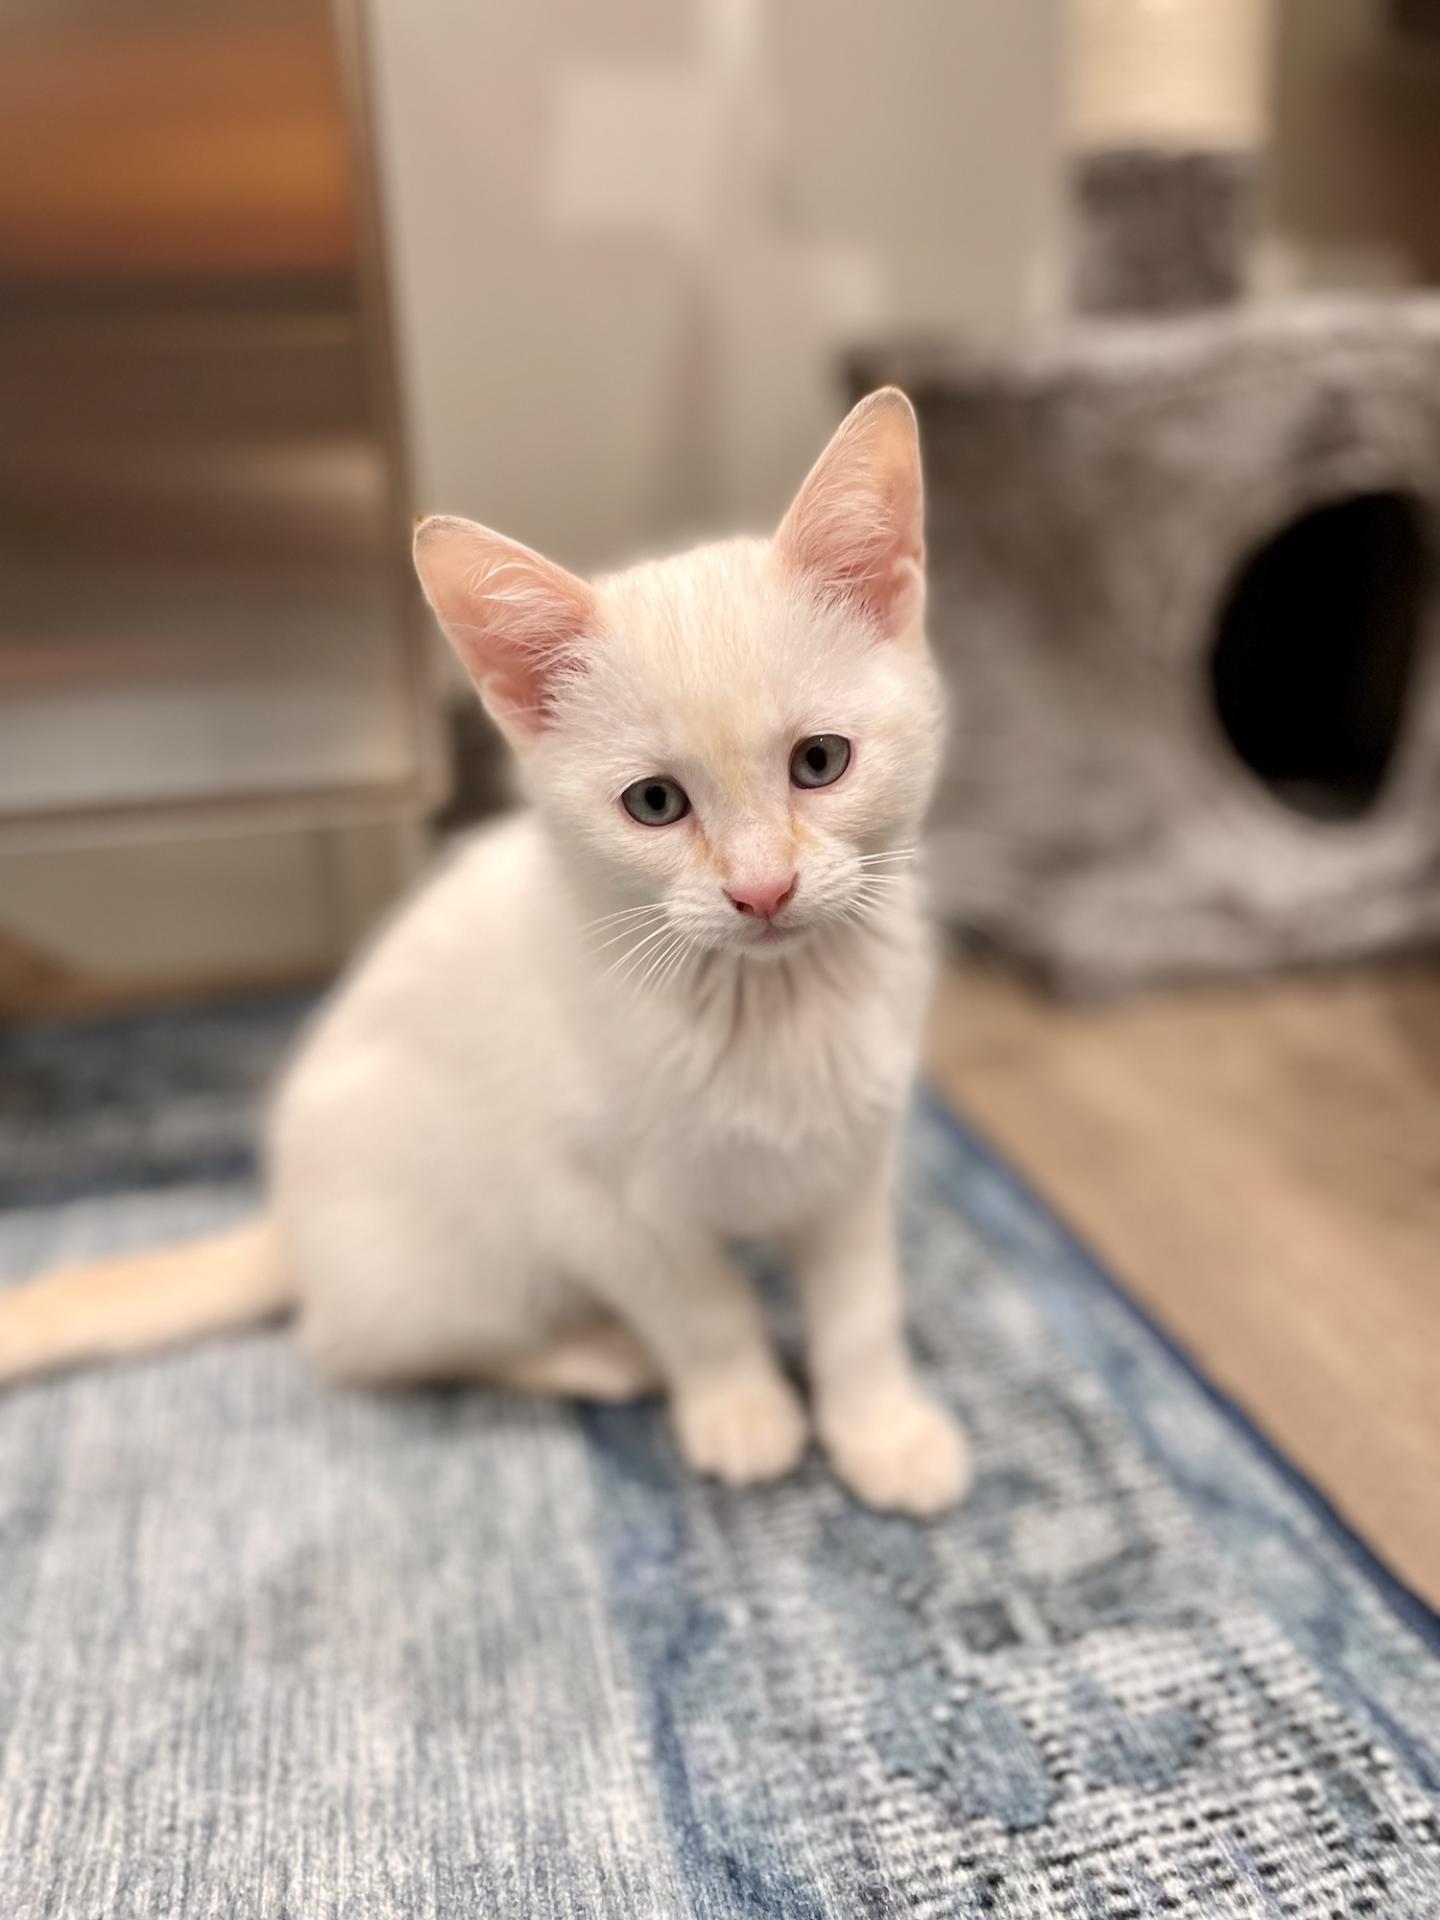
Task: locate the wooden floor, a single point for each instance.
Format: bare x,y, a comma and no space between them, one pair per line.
1261,1167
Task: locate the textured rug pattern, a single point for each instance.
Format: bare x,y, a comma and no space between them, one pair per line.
270,1650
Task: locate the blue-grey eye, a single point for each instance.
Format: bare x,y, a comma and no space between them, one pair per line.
655,802
819,761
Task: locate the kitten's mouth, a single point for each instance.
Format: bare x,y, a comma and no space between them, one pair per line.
772,937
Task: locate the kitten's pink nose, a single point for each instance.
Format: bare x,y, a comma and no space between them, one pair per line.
764,898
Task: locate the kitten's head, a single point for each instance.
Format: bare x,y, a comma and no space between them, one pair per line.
735,734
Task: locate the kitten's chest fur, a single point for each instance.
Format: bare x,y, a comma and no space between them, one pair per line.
763,1090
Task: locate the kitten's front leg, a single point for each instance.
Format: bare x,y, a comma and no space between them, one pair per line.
892,1445
736,1416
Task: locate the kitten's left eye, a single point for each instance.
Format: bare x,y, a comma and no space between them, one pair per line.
819,761
655,802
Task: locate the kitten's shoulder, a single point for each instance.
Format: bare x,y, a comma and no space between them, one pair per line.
440,944
508,850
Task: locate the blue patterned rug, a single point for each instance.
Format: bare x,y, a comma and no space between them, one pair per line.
270,1650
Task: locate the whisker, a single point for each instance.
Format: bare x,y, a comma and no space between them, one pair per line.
646,942
623,913
657,960
857,914
624,963
624,934
619,912
680,960
687,951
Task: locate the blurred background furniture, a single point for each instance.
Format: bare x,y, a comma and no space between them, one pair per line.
1184,582
645,243
1184,560
218,732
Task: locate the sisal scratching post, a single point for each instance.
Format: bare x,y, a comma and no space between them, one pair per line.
1165,122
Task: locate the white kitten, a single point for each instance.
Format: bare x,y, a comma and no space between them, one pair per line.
675,1004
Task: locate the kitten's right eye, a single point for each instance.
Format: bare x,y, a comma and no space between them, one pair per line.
655,802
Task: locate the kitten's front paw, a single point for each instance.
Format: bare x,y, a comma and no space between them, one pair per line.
902,1454
744,1430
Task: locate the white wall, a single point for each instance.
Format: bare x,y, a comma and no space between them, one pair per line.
628,236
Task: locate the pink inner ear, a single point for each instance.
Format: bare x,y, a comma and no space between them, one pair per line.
515,619
856,528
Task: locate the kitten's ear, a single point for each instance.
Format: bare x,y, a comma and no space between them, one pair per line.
857,528
514,618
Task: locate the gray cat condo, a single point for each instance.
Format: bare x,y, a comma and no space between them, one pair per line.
1184,585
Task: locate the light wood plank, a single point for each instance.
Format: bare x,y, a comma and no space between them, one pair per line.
1260,1165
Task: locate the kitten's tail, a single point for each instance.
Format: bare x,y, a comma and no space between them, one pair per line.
142,1301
